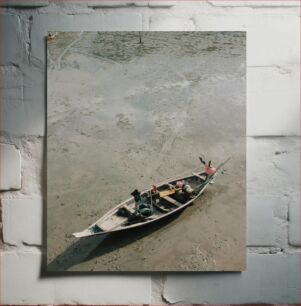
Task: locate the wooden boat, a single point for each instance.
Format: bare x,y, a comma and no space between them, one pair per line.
170,199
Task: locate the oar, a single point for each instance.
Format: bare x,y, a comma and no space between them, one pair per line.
222,164
217,168
210,177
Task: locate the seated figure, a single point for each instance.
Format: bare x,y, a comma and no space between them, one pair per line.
182,186
142,208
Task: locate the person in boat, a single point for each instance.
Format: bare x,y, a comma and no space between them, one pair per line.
155,194
209,170
142,208
182,186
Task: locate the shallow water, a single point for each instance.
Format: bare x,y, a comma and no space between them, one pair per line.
126,46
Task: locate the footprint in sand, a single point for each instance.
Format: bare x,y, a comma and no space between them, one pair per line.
123,122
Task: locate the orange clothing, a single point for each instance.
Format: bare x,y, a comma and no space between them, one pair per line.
209,170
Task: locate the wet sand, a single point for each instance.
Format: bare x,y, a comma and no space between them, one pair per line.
122,116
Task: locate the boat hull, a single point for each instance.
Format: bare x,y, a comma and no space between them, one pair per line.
88,232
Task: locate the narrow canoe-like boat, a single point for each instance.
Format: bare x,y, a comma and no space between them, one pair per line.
163,200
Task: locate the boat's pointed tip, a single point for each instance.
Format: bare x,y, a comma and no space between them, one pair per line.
78,235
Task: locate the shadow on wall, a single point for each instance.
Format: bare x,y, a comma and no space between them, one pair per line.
88,248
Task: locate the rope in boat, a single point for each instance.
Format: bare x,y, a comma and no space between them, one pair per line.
151,199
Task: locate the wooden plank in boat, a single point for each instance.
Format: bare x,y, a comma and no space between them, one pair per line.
161,208
203,177
108,229
166,193
109,224
172,201
117,225
130,209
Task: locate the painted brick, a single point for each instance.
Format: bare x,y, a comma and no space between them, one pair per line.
154,3
157,288
268,279
294,221
141,3
22,284
22,221
12,99
24,3
108,4
10,167
170,23
34,101
122,22
272,165
210,23
23,96
13,45
250,3
266,225
272,38
23,85
67,7
33,167
12,83
114,4
273,94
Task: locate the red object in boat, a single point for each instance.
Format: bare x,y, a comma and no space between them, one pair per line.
154,188
209,170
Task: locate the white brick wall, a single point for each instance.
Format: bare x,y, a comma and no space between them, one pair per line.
260,4
21,214
269,89
268,279
14,47
24,3
294,220
265,227
10,167
273,201
23,284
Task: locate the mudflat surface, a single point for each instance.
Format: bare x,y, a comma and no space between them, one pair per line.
124,115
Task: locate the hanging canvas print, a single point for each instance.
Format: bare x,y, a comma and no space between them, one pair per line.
146,151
